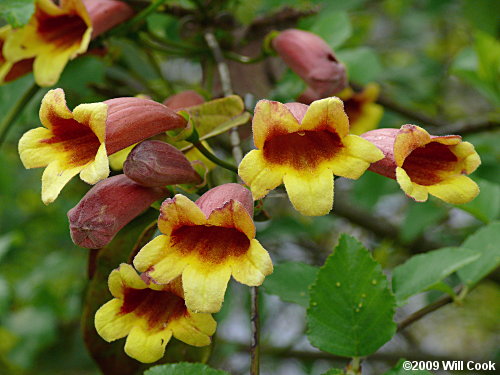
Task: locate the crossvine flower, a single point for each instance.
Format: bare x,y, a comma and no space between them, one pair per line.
303,147
425,164
149,315
206,242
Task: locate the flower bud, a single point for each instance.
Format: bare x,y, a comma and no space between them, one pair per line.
312,59
217,197
107,208
131,120
184,99
424,164
156,163
106,14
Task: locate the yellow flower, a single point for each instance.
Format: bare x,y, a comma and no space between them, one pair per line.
363,113
303,147
423,164
149,315
9,71
68,144
54,35
206,243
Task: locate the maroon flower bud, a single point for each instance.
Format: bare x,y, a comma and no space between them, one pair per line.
185,99
106,14
156,163
312,59
217,197
131,120
107,208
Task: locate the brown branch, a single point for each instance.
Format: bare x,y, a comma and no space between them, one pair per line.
467,128
419,314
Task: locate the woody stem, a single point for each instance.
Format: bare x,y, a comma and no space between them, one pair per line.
16,110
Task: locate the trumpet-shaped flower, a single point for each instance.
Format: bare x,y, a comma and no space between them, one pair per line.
9,71
57,33
149,315
71,143
303,147
206,242
423,164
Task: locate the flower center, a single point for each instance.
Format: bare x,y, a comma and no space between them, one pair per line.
212,244
61,31
302,150
353,109
77,140
430,164
157,307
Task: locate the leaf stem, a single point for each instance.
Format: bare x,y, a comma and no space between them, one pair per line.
214,158
16,110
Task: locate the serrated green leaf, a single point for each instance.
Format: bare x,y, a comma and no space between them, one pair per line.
184,369
486,206
17,12
363,64
422,271
399,370
290,281
351,309
485,241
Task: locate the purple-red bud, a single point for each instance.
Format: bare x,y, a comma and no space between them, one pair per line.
184,99
217,197
156,163
107,208
131,120
106,14
384,140
312,59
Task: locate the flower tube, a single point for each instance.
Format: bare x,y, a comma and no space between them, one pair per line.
206,242
424,164
149,315
303,147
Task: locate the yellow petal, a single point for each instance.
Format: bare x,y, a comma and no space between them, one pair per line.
408,139
54,106
466,152
98,169
204,322
418,192
355,157
271,118
147,346
55,177
110,323
310,193
368,120
118,158
22,44
123,277
151,253
94,115
48,66
326,113
183,329
252,268
205,286
259,175
178,211
169,267
456,190
233,215
33,152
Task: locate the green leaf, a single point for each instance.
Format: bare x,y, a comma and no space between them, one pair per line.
333,26
399,370
363,64
334,371
351,310
485,241
422,271
17,12
290,281
184,369
419,217
486,206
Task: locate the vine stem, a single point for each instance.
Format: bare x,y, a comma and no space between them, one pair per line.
16,110
214,158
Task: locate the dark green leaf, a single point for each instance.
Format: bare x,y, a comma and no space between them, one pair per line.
362,63
351,310
334,371
485,241
184,369
422,271
290,281
17,12
333,26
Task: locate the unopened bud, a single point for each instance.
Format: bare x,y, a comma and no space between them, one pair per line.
156,163
312,59
131,120
217,197
184,99
107,208
106,14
